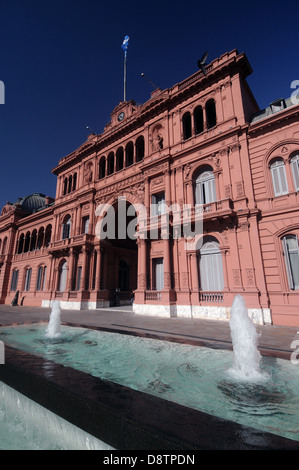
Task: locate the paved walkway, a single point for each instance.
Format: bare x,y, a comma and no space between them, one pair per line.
274,340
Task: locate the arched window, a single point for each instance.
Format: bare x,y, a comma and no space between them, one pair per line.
295,169
129,154
198,120
279,179
27,282
211,114
205,188
70,186
66,227
110,164
14,280
65,186
33,240
40,238
4,246
139,147
119,159
21,244
210,266
291,258
74,181
27,242
102,168
187,127
48,234
41,278
62,275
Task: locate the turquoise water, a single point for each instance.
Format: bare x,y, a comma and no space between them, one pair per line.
25,425
193,376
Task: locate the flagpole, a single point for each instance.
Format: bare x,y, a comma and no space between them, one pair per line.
124,46
125,75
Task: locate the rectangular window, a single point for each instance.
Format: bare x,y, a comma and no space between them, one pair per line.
44,279
291,255
28,279
158,274
279,179
295,169
85,224
158,204
39,278
79,273
14,280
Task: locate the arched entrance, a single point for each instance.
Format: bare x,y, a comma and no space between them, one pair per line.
119,276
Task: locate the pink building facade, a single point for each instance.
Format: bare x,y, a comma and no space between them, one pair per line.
198,159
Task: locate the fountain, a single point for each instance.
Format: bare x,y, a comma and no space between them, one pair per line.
239,386
54,326
246,357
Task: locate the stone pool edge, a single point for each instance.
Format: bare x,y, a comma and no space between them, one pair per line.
124,418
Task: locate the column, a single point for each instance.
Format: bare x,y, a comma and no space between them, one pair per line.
78,220
71,269
142,264
99,268
84,265
91,218
167,265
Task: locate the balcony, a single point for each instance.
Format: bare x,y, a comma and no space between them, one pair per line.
66,243
211,297
212,211
153,295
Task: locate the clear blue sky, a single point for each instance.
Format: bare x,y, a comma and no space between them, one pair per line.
62,66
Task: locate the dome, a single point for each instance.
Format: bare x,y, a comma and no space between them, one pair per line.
33,202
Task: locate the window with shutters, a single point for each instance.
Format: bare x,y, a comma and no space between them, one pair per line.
291,258
279,179
62,275
28,273
205,188
158,204
210,266
66,228
295,170
158,274
14,280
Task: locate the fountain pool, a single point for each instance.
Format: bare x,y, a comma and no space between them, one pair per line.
196,377
25,425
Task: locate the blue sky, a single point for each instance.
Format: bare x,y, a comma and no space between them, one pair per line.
62,66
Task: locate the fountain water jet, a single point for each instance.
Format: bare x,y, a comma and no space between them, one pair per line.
246,357
54,325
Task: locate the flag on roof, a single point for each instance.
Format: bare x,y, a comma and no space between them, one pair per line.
125,43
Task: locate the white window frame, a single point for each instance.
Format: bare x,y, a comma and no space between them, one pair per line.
279,178
291,267
62,277
205,188
66,229
158,274
295,170
27,283
158,204
211,267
